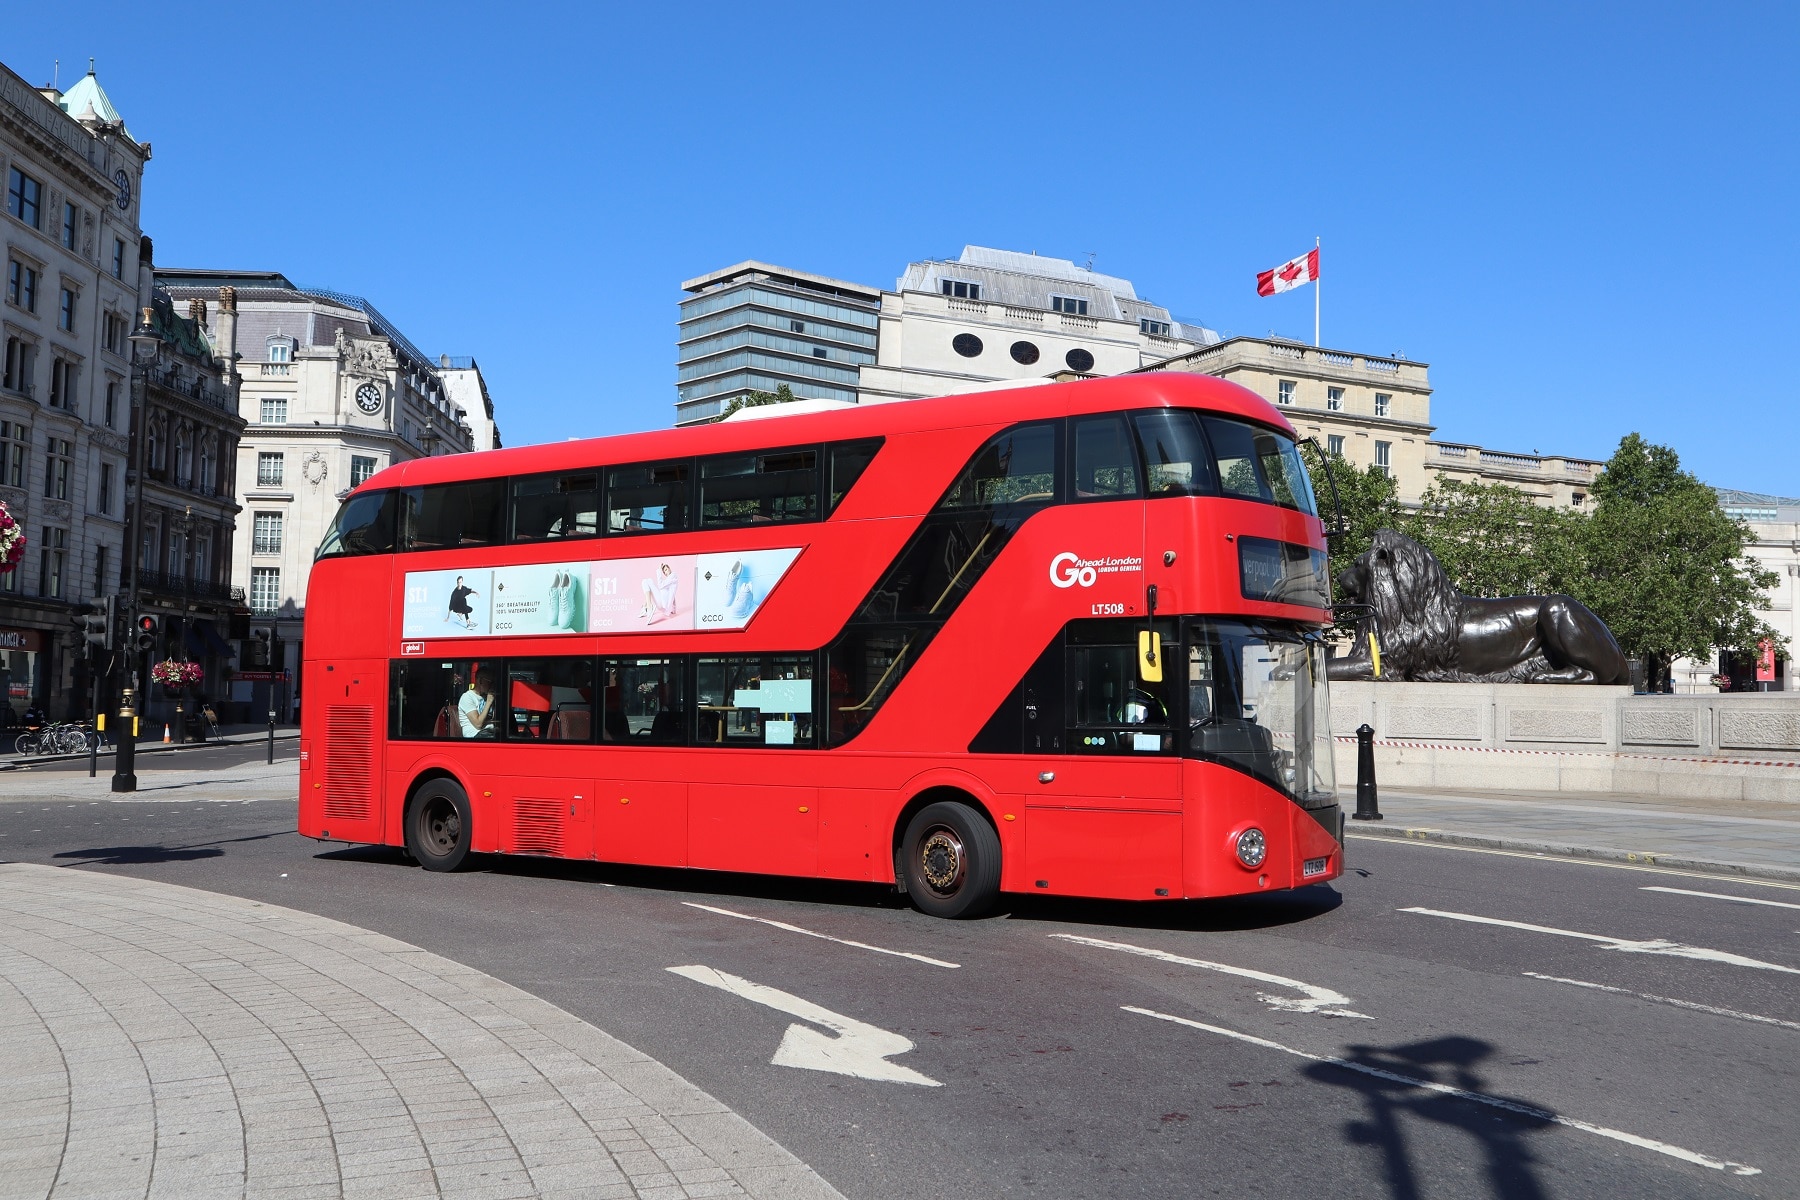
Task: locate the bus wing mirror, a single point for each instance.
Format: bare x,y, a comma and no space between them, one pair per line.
1150,656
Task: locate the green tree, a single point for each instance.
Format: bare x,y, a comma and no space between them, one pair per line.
1668,571
1494,541
1369,497
756,399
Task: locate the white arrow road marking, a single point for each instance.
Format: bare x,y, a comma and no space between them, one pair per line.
1655,946
1721,896
1513,1106
1705,1008
858,1049
726,912
1316,999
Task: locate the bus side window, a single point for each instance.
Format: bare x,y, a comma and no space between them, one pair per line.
757,700
448,515
643,702
647,498
1176,461
759,488
550,699
848,461
1018,466
1240,464
556,506
1105,467
1112,710
432,698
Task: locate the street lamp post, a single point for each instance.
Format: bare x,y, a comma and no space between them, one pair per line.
143,338
186,523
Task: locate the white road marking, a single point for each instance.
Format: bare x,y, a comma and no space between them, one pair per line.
726,912
1705,1008
1541,1114
1320,1000
1654,946
859,1049
1540,856
1720,896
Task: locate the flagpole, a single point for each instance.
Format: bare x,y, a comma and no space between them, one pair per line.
1316,300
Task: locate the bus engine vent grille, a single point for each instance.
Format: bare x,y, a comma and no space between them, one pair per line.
537,826
349,761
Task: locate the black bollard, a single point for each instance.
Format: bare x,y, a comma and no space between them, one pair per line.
1366,807
125,757
271,736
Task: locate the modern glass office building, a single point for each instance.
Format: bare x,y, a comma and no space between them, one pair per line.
755,327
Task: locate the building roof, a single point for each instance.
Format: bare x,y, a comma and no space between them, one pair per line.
1044,266
805,279
87,94
272,287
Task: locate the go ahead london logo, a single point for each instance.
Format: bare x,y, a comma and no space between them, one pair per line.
1067,570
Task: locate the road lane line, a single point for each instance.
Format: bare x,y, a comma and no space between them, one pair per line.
1320,1000
726,912
859,1049
1654,946
1540,856
1705,1008
1720,896
1513,1106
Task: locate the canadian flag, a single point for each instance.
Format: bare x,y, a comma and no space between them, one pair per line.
1289,275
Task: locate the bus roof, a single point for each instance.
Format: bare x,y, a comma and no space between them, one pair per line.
1172,389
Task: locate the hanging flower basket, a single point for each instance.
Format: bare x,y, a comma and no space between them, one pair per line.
12,541
173,674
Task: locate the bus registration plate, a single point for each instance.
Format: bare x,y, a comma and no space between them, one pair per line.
1313,866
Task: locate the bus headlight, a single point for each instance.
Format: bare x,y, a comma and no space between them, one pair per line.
1252,847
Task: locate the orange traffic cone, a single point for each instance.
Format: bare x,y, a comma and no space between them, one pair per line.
166,738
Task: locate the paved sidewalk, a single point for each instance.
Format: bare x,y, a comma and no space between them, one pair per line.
160,781
1734,837
162,1041
229,735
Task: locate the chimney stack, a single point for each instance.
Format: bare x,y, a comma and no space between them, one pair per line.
197,311
225,341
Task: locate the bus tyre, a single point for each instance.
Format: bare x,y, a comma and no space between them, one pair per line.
951,860
438,826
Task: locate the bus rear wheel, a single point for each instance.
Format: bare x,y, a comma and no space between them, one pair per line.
951,861
438,826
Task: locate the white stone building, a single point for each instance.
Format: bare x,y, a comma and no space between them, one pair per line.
72,175
332,393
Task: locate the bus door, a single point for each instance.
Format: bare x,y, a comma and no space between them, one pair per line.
353,696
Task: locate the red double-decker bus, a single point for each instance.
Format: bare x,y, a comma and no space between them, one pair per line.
1060,639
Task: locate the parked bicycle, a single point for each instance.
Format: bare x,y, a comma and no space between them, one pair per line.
58,737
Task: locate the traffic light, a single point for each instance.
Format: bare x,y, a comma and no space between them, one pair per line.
97,626
147,625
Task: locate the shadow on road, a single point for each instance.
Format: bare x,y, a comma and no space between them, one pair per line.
1506,1158
125,856
1224,915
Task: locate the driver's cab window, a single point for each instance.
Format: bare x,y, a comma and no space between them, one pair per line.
1112,708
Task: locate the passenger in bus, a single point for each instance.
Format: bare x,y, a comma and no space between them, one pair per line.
475,710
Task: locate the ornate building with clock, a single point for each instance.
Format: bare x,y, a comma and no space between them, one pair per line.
332,392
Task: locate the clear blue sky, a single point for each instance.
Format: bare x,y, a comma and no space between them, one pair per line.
1583,217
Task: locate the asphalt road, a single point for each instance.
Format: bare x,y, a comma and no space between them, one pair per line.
1074,1069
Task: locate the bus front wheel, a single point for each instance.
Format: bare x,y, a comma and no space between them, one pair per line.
951,859
438,826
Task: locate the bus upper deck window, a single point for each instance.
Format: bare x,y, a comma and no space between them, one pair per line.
848,461
556,506
364,525
1104,464
759,488
1259,464
1176,461
1017,466
448,515
647,498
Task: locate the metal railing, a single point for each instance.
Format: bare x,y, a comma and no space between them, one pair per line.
170,584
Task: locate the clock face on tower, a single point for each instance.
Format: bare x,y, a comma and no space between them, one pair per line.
368,398
123,180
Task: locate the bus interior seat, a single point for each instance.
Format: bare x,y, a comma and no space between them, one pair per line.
616,726
446,721
666,727
569,725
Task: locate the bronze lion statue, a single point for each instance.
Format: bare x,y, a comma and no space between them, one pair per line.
1428,631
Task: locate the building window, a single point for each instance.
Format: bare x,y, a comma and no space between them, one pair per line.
267,538
1284,391
280,351
1382,403
1335,443
103,495
56,468
966,344
112,402
23,194
818,352
1154,328
962,291
100,565
71,225
274,411
65,311
21,285
1334,399
797,326
112,333
14,438
205,477
361,468
62,383
118,259
1577,498
1069,304
265,589
21,356
51,558
270,470
1381,457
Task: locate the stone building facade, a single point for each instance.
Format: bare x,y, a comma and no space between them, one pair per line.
332,392
72,175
